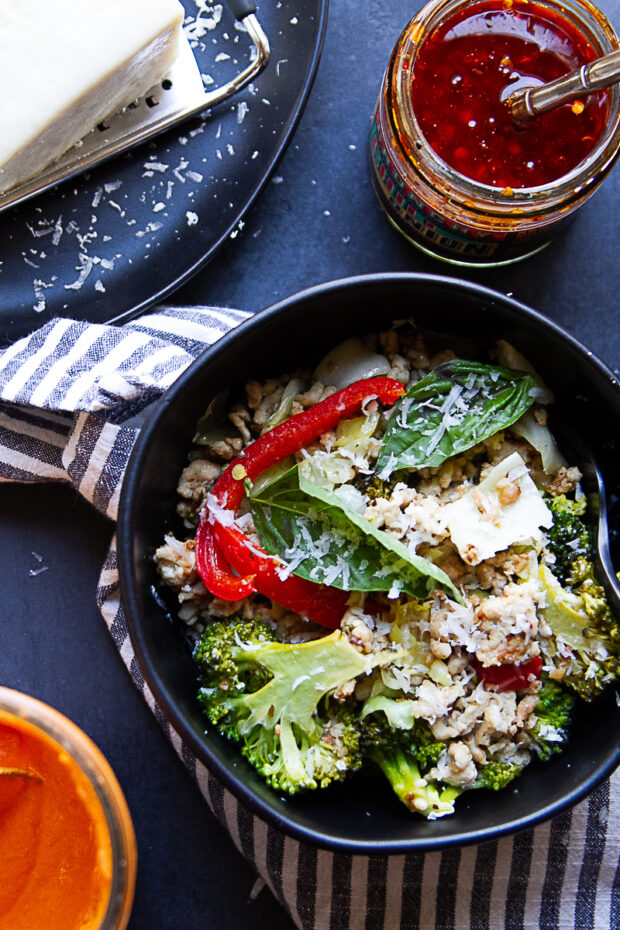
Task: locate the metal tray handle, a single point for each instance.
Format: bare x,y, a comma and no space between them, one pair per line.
244,11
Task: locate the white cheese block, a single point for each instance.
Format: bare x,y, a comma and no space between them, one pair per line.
480,525
66,64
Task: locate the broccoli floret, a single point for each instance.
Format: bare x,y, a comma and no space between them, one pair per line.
602,632
496,775
340,742
403,755
553,715
214,655
555,704
273,699
568,538
423,744
377,732
402,770
374,487
291,761
579,614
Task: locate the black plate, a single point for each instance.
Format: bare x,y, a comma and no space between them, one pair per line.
361,816
139,254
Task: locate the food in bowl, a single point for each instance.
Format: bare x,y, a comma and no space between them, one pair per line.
415,504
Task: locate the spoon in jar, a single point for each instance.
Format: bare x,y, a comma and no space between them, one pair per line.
8,772
527,102
13,783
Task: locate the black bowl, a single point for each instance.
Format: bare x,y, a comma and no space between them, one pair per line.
361,816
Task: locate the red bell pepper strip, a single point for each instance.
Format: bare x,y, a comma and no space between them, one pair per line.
322,604
211,564
317,602
299,431
509,677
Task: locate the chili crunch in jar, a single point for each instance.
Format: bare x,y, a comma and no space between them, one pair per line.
452,170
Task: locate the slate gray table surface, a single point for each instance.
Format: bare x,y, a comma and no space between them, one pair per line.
317,220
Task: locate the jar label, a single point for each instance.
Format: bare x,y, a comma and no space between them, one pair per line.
414,216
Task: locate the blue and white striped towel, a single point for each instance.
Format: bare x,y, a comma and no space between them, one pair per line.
66,393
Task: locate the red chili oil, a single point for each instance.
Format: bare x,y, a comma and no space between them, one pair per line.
467,67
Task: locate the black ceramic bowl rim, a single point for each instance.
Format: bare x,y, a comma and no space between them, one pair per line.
164,696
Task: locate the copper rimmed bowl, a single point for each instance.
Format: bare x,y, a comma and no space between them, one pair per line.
361,815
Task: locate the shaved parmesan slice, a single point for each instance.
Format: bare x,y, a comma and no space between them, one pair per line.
481,525
65,65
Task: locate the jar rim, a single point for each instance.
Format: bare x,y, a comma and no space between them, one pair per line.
566,189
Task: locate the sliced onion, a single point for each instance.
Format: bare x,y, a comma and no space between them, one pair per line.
510,357
349,362
541,439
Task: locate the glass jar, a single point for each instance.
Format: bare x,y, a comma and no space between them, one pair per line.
116,844
455,218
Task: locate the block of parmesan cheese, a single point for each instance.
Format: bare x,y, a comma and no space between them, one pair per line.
66,64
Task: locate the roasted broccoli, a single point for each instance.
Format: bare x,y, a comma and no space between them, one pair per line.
584,583
577,611
402,770
568,538
423,744
274,700
376,732
218,657
374,487
496,775
403,755
552,715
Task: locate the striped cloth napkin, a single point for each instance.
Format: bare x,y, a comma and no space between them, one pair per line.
66,394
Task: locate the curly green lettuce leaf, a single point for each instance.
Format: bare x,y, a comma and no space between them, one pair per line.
452,409
321,538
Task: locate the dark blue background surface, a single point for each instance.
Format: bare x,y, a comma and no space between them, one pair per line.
317,220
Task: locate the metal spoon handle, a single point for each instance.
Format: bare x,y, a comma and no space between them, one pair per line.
529,102
8,772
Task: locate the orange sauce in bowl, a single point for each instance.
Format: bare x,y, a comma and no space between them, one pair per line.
55,847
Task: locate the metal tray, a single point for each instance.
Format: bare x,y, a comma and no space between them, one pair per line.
110,243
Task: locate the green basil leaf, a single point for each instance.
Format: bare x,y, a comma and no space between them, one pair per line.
453,408
315,533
